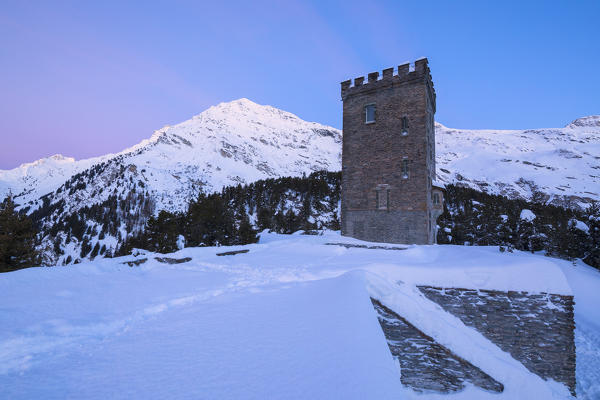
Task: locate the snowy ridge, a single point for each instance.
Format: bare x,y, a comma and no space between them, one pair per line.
228,144
241,141
34,179
560,166
591,121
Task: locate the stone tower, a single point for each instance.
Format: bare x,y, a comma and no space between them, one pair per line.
388,157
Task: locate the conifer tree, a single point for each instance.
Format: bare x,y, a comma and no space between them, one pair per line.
592,257
95,251
17,239
210,222
162,232
85,247
264,218
245,233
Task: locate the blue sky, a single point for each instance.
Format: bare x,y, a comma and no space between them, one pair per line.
87,78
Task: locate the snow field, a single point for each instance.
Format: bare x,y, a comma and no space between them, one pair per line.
290,319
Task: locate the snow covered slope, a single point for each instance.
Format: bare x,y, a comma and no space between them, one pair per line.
560,166
32,180
242,141
228,144
289,319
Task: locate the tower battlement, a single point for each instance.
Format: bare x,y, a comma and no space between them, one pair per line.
391,76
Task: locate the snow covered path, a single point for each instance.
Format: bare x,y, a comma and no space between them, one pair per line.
585,283
290,319
588,361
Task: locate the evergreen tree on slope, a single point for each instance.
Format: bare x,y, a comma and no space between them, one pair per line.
17,239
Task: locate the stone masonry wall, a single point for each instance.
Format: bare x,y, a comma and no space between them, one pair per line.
373,154
425,365
536,329
388,226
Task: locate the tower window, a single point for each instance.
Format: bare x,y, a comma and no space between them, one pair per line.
405,169
382,193
436,199
404,129
370,113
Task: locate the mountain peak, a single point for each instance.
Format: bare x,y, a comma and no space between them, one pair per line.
589,121
56,158
245,101
246,110
60,157
242,104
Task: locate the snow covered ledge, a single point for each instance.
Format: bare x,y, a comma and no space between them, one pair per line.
520,304
291,316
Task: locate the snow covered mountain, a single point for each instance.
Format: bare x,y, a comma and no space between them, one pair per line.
228,144
32,180
107,199
241,142
560,166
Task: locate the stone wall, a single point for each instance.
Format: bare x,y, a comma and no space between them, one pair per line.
373,155
387,226
426,364
536,329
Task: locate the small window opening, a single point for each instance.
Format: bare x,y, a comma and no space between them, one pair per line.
382,197
405,169
369,113
404,129
436,199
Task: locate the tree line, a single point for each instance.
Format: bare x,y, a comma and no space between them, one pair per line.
236,214
476,218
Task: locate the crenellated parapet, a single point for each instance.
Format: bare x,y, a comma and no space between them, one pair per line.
419,70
